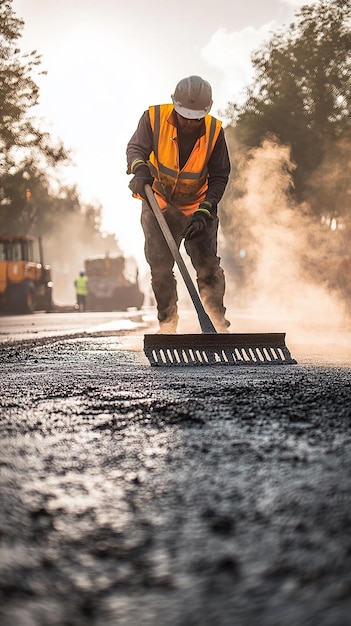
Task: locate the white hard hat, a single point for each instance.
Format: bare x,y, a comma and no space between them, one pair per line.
192,97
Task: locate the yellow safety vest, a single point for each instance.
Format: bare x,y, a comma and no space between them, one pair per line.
187,187
81,284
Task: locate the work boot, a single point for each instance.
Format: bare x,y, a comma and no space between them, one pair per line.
168,326
221,325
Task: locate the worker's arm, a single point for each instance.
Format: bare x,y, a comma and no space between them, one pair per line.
218,176
140,144
218,171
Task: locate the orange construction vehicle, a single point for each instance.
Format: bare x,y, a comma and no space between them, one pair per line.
25,282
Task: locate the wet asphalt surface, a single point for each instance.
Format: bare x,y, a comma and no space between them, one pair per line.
191,496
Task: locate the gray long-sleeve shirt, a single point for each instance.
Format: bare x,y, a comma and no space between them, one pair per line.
140,146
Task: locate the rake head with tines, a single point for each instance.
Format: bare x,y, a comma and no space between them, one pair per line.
217,349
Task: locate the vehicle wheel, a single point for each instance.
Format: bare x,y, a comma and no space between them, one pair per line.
48,300
26,302
91,303
135,297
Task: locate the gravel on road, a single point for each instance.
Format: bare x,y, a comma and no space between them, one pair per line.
193,496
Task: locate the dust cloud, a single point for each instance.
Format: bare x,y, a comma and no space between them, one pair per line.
276,244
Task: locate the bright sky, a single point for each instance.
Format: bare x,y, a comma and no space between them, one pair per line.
107,61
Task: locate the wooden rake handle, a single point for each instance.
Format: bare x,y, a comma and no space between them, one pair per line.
204,320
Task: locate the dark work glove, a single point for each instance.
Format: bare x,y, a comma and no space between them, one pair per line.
198,221
142,177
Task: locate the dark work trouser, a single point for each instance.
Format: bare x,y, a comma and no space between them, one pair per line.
203,254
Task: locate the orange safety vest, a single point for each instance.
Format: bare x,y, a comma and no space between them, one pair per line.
187,187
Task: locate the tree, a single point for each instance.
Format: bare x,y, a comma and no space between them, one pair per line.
27,154
21,142
29,159
301,90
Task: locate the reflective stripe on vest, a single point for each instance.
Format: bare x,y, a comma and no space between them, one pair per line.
185,188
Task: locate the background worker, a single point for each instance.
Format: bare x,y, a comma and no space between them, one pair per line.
180,150
81,287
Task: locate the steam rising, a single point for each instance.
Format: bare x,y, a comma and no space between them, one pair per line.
272,238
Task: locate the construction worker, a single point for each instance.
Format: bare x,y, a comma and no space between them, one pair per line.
180,150
81,287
